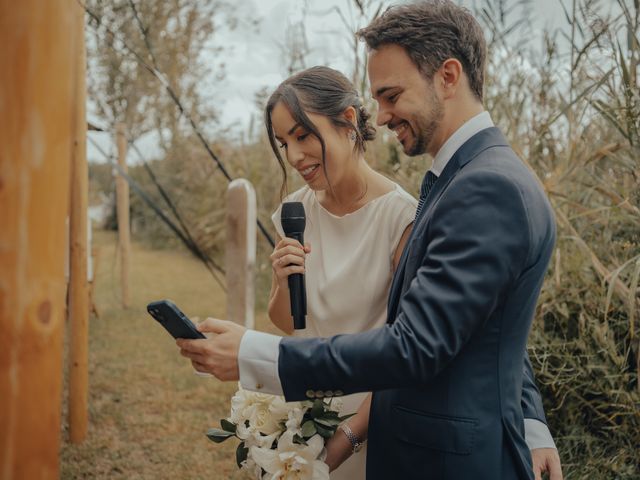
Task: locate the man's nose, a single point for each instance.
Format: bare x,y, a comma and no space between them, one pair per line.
382,117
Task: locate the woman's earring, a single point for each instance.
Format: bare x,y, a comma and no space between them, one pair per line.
353,136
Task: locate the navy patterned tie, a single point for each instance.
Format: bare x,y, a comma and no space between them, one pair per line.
428,181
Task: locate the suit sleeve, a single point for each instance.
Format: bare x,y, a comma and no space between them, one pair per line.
537,434
478,242
531,399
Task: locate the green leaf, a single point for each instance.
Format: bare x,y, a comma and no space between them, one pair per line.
299,440
217,435
328,422
308,429
227,426
325,432
241,454
318,408
345,417
329,414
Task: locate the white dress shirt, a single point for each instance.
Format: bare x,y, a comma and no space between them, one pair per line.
259,352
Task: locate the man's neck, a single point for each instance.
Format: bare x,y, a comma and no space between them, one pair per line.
453,120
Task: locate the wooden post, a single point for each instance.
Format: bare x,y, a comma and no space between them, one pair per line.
122,198
37,100
78,286
241,252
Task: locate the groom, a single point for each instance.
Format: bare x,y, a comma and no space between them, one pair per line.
453,386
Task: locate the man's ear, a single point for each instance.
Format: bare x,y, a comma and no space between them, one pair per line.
450,77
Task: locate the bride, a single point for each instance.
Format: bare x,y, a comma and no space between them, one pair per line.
357,222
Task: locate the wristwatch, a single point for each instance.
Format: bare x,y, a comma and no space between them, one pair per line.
356,444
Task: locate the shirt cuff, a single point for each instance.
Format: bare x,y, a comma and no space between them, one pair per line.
537,434
258,362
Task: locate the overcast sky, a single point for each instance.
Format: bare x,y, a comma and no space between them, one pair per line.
253,58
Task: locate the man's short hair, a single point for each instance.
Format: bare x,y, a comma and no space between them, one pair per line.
431,32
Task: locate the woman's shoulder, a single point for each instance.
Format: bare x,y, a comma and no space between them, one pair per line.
400,197
303,194
398,209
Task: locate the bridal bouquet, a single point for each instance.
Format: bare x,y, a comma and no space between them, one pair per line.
279,440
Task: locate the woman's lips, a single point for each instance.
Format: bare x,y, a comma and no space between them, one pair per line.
309,172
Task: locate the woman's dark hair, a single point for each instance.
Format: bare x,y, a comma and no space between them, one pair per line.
431,32
323,91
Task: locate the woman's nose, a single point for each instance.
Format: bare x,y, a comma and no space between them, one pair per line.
295,155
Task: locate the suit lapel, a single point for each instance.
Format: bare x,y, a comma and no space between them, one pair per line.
467,152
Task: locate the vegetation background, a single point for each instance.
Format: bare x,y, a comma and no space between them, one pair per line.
569,102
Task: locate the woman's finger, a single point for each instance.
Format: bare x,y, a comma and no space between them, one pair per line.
290,259
285,272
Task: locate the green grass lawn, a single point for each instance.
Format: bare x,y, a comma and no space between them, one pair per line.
148,412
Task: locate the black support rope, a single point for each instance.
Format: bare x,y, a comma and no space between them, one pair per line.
153,70
211,265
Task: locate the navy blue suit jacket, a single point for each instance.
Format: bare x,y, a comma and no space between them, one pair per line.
451,379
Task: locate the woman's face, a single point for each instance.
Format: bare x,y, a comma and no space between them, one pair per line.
303,150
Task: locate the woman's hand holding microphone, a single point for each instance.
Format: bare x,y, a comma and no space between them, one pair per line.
288,258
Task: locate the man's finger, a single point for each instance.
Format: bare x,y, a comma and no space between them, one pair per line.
537,470
555,470
193,356
213,325
194,346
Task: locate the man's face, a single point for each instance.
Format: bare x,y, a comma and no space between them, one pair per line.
407,102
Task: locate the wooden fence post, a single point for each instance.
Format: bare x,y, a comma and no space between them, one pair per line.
37,99
78,286
241,252
122,198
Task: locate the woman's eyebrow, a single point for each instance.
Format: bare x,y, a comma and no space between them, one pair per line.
292,129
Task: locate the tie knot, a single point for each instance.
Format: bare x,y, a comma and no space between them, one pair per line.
427,183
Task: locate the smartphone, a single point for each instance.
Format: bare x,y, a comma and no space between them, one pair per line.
173,320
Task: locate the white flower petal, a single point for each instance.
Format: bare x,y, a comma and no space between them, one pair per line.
266,458
315,446
320,471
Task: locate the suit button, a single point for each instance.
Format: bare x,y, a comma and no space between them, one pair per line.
319,394
310,394
338,393
328,393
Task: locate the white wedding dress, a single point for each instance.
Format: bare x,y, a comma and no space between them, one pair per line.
348,275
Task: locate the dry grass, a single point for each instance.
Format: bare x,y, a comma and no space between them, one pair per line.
148,412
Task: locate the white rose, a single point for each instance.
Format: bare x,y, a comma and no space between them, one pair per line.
291,461
294,419
263,412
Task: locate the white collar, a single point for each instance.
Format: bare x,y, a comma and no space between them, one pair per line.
467,130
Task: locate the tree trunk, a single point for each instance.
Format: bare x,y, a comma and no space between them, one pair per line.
37,98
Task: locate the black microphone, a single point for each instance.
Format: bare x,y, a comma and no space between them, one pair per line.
293,222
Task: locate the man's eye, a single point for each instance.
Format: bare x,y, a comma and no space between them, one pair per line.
393,98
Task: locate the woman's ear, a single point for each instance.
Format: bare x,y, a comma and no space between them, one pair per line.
351,116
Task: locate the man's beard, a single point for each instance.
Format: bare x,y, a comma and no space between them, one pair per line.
426,125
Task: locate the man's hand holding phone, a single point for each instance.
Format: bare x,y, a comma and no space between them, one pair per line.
218,353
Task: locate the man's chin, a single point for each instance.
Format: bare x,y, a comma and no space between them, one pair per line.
413,149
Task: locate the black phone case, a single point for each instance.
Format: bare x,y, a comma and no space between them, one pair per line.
173,320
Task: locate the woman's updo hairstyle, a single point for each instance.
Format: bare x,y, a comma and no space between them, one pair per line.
323,91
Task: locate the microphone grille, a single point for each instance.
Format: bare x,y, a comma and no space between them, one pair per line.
292,209
292,217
